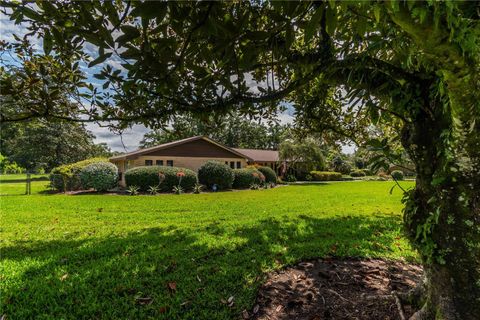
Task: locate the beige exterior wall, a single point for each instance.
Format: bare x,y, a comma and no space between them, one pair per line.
192,163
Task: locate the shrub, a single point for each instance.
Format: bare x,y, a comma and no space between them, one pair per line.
178,189
397,175
255,186
290,178
243,178
270,175
213,172
153,190
133,190
101,176
367,172
145,177
357,173
326,176
68,175
197,188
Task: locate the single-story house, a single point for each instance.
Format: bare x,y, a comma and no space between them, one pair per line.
192,153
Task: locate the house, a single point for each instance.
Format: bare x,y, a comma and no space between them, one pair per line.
192,153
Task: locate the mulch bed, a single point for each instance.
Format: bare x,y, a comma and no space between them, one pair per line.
336,289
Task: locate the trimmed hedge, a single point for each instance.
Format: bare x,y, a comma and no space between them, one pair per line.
214,172
71,173
270,175
101,176
144,177
326,176
358,173
397,175
244,178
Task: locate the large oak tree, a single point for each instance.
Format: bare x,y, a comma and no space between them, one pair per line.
412,65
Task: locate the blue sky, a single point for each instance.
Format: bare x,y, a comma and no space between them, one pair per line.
130,138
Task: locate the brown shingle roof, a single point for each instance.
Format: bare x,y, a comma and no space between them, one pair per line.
174,143
258,155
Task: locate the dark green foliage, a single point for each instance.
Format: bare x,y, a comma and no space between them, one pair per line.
358,173
367,172
48,144
145,177
234,131
340,165
68,175
326,176
290,178
214,172
244,178
270,175
101,176
397,175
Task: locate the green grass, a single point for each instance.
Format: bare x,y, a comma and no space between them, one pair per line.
22,177
94,256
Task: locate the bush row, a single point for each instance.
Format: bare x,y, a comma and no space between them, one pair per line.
325,176
211,173
165,178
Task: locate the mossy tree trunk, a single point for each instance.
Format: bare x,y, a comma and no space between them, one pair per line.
442,213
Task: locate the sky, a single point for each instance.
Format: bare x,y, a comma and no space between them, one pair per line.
130,138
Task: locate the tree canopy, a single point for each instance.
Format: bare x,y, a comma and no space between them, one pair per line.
232,130
39,144
406,64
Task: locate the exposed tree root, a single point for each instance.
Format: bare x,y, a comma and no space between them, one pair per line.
416,296
422,314
401,312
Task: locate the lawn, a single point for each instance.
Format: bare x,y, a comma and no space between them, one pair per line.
179,257
15,184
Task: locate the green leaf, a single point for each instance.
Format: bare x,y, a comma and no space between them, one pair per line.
100,59
32,14
47,42
129,33
313,24
150,10
331,17
376,12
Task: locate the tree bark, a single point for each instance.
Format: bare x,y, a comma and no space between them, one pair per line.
442,214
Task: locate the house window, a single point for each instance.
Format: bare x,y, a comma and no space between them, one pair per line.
226,162
149,162
159,162
239,164
119,176
232,164
169,163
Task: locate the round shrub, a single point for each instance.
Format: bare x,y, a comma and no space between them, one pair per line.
68,175
213,172
397,175
145,177
244,178
101,176
357,173
270,175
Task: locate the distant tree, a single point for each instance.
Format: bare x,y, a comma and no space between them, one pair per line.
42,144
232,130
302,156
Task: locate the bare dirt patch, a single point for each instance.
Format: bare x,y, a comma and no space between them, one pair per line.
336,289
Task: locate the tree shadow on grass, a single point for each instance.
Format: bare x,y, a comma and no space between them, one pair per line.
172,273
